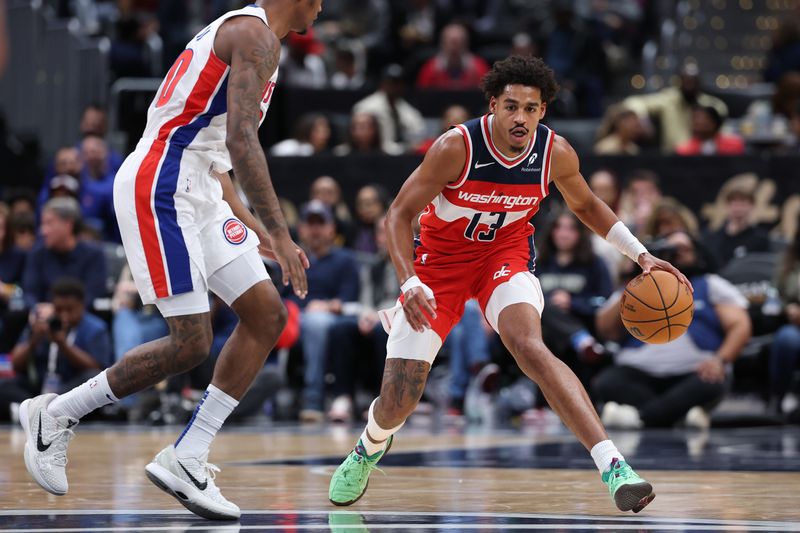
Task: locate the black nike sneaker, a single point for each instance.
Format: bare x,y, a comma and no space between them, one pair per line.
191,482
46,441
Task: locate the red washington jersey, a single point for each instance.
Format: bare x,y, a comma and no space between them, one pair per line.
491,204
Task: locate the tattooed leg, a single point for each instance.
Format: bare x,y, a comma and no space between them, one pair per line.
403,383
186,347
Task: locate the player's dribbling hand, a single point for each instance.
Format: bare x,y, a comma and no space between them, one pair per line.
416,305
649,262
293,262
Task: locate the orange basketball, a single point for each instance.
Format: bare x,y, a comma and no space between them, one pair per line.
656,307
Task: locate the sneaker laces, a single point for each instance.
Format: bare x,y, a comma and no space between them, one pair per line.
60,439
619,473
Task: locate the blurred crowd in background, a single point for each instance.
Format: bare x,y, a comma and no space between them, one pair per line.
68,305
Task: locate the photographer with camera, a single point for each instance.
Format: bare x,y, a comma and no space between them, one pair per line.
63,346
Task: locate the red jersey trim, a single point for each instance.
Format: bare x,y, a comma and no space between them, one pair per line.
468,144
497,154
551,135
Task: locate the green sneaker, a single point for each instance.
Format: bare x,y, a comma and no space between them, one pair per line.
349,482
627,489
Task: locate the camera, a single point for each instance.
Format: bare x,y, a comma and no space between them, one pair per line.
55,324
663,249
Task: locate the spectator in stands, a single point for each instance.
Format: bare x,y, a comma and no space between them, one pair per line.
605,185
619,134
64,346
707,139
68,162
768,120
455,114
97,187
327,190
12,264
415,27
64,185
657,385
358,342
372,201
346,75
401,125
128,56
312,136
301,62
642,192
576,52
575,283
738,235
669,216
20,201
785,351
672,107
23,229
453,67
94,121
61,254
12,259
522,44
470,360
333,283
364,136
784,55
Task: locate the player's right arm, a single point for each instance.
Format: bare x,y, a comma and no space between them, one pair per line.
252,50
442,165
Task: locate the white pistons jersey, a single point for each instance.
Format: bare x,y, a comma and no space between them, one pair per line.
175,225
190,107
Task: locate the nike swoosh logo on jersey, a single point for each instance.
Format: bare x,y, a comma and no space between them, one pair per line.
481,165
201,486
40,445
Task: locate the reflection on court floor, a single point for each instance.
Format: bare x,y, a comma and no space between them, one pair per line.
436,480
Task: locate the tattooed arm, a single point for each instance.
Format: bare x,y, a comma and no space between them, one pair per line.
253,51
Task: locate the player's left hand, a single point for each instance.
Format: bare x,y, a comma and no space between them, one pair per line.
649,262
265,247
293,262
712,370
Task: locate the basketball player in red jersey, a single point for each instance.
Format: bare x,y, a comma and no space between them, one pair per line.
186,232
477,189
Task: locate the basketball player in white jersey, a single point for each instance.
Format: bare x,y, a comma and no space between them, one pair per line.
186,232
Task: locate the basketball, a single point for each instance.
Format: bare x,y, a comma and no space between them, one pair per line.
656,308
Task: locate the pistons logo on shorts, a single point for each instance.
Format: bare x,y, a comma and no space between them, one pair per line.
235,232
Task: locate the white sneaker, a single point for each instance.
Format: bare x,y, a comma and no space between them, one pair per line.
191,482
621,416
46,441
341,409
697,417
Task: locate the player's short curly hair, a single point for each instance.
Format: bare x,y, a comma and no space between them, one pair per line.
523,70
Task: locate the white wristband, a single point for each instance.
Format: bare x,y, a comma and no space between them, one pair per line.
410,283
626,242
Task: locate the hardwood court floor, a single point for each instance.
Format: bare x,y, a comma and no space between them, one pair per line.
731,480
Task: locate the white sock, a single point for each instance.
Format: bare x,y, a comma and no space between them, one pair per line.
603,453
374,437
84,398
208,417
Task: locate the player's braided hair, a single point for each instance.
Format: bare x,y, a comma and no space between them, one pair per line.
523,70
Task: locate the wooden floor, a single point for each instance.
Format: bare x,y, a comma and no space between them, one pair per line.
496,480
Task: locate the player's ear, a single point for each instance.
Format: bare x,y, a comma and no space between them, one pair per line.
492,104
542,110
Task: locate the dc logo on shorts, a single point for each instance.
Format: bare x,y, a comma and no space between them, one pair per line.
235,232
